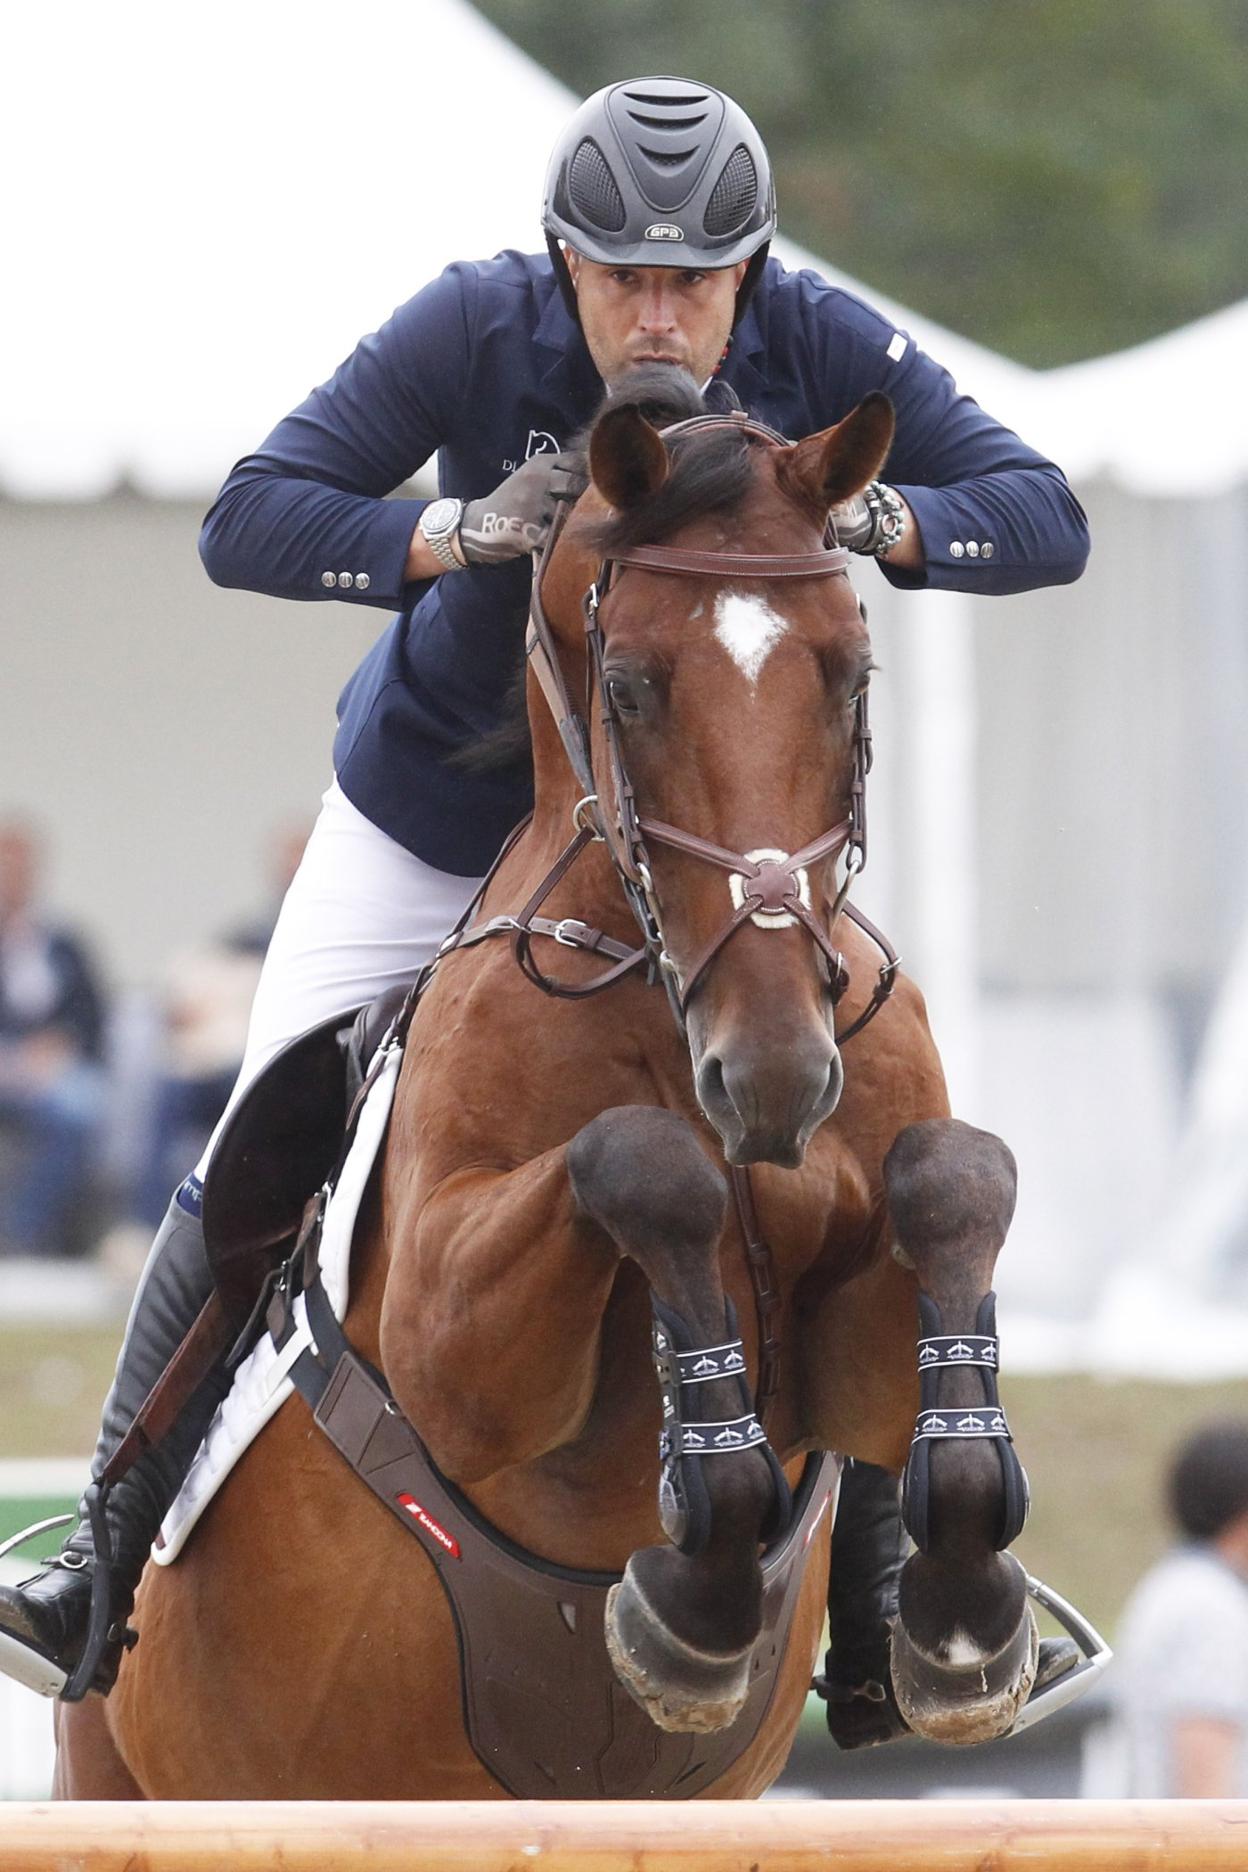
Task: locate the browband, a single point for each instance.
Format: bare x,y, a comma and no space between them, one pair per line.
733,565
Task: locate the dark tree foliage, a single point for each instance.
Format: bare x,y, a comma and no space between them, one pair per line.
1055,178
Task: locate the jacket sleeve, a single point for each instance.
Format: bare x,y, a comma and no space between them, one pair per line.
995,516
305,516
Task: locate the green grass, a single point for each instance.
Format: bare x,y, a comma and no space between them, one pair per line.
1096,1453
53,1381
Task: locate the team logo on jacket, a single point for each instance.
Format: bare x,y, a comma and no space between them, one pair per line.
541,442
665,231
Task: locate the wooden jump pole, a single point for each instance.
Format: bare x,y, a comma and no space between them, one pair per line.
625,1836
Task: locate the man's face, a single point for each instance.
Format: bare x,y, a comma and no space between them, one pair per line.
633,314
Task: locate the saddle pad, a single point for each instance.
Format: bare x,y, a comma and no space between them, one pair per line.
262,1383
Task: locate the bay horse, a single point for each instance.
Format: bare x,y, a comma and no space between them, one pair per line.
556,1168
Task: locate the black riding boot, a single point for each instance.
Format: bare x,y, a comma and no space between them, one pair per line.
868,1549
43,1622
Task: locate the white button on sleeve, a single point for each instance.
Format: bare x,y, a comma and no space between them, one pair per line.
986,550
362,581
956,549
345,580
329,578
972,549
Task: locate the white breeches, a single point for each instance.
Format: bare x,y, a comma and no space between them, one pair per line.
361,915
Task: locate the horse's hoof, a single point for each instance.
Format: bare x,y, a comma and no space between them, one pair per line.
680,1687
964,1702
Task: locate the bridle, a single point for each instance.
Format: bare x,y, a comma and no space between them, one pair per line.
768,887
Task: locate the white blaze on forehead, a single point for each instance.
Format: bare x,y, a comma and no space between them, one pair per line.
749,630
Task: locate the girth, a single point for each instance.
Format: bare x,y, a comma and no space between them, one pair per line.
543,1708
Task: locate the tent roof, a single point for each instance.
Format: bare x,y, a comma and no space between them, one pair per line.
1158,418
210,215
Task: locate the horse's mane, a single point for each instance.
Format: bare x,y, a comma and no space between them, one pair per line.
709,471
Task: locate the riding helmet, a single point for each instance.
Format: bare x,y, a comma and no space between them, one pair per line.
660,172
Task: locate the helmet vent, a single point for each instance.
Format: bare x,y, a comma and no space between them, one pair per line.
667,159
667,123
593,191
666,101
734,195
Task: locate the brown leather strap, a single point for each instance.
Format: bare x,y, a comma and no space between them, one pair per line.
734,565
769,885
767,1298
211,1334
886,980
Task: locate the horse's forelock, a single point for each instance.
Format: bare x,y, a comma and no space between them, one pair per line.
710,469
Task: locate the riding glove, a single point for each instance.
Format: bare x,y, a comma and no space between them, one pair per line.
517,516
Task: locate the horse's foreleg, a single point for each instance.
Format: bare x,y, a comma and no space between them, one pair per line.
964,1645
682,1625
490,1323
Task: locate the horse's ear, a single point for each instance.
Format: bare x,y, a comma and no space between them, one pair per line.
838,462
627,459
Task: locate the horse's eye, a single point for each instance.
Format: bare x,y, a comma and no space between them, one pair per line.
621,695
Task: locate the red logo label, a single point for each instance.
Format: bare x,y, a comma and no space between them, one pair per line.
446,1541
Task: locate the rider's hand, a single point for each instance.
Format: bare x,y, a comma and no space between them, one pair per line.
516,517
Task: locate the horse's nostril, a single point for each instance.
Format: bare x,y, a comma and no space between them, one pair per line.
709,1084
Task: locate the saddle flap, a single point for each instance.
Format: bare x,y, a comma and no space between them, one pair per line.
280,1143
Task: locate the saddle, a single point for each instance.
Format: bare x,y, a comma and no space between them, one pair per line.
282,1142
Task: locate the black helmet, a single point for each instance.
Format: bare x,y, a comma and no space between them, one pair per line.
661,172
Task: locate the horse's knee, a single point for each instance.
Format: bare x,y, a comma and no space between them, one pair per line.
948,1184
640,1173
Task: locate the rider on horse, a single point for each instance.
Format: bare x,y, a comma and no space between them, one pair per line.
658,211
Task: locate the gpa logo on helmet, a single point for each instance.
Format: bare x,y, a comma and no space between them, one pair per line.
665,231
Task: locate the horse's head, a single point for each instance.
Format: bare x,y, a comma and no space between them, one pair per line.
730,712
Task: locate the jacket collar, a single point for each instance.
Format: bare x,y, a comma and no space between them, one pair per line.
569,374
744,367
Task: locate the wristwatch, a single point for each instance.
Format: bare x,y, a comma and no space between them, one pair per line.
440,524
888,518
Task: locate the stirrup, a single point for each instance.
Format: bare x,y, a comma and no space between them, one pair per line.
877,1715
1072,1683
106,1639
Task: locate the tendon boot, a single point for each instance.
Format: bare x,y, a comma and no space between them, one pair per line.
868,1549
44,1621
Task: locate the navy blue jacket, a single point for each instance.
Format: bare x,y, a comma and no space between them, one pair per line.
487,367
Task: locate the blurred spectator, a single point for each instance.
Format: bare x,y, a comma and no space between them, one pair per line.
51,1078
206,1002
1182,1659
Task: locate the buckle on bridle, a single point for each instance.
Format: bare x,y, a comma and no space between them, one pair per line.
564,926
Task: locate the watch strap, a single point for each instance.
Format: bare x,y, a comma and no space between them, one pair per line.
438,539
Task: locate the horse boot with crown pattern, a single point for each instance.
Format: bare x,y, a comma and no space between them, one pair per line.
44,1620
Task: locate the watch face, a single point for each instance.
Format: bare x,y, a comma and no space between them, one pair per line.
439,516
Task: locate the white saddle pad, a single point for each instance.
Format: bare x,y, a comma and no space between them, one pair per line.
262,1382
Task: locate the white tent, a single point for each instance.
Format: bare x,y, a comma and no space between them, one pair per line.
206,211
213,208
